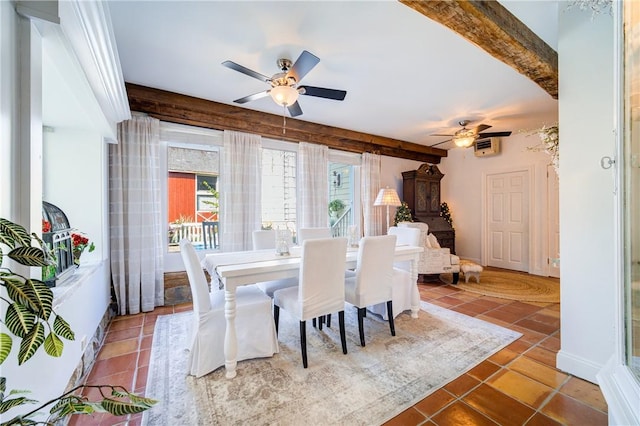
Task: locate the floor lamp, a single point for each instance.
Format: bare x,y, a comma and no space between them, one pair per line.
387,197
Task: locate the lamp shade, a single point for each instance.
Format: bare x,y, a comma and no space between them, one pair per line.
387,197
284,95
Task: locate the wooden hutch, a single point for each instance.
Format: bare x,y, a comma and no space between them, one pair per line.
421,189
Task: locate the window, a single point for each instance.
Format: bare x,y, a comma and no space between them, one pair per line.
192,196
344,184
279,189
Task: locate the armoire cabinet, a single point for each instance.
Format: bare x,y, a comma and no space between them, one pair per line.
421,189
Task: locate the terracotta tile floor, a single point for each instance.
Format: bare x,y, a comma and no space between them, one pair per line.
517,386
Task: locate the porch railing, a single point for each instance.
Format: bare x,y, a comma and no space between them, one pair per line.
340,228
193,231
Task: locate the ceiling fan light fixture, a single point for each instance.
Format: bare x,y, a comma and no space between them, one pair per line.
464,141
464,137
284,95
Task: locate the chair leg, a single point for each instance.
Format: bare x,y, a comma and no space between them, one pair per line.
276,316
390,313
303,342
343,334
456,277
329,321
313,322
361,314
320,321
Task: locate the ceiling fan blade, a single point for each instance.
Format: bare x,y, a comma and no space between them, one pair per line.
252,97
480,127
245,70
493,134
440,143
295,109
305,63
322,92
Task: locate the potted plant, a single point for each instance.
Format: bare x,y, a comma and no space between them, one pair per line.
336,207
31,320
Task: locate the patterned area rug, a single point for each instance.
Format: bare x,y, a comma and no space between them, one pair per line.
511,285
367,386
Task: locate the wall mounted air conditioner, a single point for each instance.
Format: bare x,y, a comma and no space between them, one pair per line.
486,147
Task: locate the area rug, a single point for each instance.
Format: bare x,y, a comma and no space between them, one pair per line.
511,285
367,386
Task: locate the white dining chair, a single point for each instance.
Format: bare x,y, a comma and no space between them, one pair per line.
266,239
309,233
403,286
373,280
320,288
255,327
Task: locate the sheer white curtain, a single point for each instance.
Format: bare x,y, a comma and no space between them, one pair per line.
313,187
370,185
240,207
135,226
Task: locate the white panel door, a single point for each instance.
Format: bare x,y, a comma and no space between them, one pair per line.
508,220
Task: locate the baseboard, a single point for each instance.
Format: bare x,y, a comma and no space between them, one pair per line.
578,366
622,393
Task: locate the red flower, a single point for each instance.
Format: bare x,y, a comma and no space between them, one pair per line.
46,226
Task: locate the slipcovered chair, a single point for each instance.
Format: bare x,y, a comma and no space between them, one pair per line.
403,286
434,259
308,233
255,328
373,280
263,240
320,289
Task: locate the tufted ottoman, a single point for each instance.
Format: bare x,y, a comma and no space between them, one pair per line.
470,269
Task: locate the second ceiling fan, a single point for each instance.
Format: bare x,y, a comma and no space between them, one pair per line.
464,137
285,87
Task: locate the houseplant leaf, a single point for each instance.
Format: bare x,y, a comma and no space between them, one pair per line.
19,320
36,296
71,405
53,345
30,256
119,408
30,343
7,404
13,234
63,329
5,348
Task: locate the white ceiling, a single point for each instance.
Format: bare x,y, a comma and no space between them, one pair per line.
406,76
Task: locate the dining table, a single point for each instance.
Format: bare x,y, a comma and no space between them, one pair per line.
230,270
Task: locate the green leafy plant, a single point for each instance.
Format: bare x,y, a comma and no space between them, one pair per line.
336,206
403,214
215,203
32,321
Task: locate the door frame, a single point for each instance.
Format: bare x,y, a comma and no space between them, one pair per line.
484,209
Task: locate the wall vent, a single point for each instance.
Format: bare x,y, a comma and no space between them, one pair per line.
486,147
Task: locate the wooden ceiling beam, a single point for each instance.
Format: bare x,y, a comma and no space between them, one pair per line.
494,29
182,109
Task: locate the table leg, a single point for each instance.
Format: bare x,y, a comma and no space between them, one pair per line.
415,296
230,337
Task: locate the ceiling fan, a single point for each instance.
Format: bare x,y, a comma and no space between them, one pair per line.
464,137
285,84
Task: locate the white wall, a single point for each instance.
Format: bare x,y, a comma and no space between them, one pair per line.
8,106
84,304
462,188
585,53
73,181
